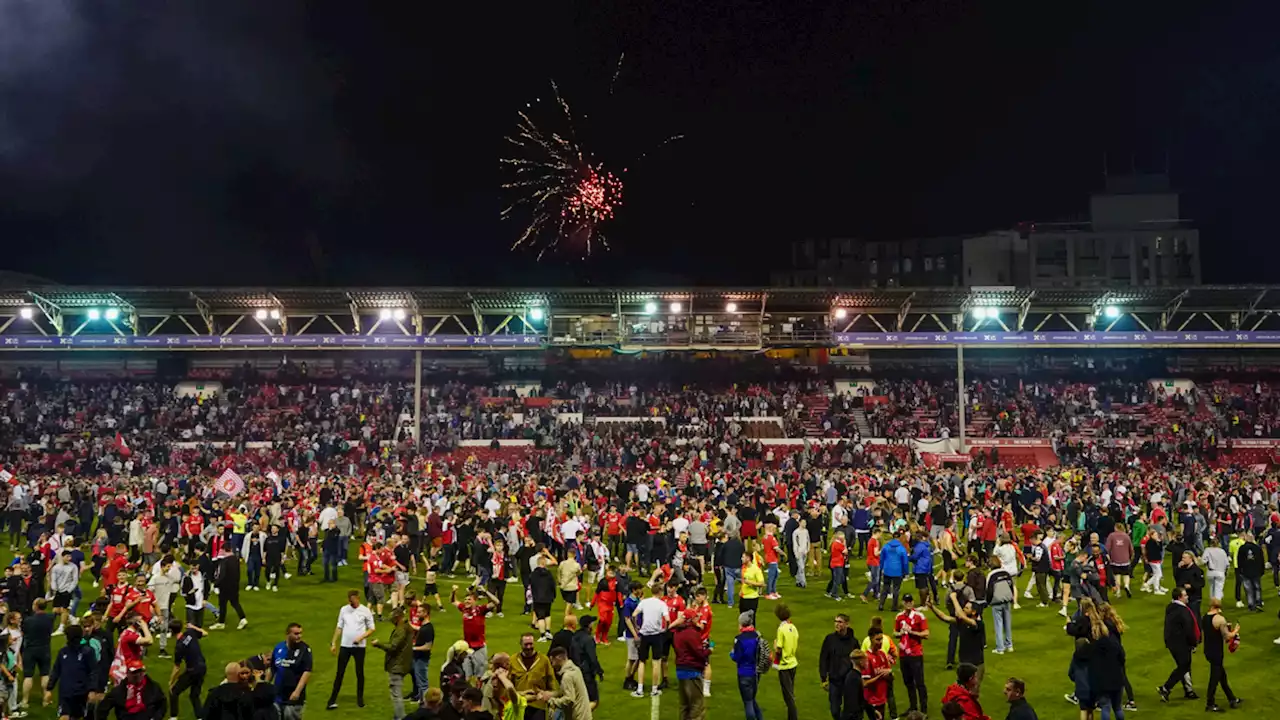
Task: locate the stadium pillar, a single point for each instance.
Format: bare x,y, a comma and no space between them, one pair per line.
417,399
960,399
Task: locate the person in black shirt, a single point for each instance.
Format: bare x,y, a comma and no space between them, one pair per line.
274,548
971,633
423,640
230,699
733,551
37,632
188,666
332,541
637,530
526,553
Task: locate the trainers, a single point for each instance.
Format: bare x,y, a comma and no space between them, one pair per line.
655,692
1131,706
638,693
1239,605
331,706
1071,698
1235,703
60,631
244,623
218,626
275,588
1164,694
287,576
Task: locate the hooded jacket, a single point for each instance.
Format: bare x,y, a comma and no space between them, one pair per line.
961,696
922,558
893,559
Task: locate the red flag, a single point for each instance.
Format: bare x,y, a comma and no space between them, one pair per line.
230,483
121,446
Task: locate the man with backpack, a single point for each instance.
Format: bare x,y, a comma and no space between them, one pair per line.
752,655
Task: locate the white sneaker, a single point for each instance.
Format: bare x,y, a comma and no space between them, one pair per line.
256,588
244,623
288,575
1239,604
218,626
1063,612
247,588
1027,594
275,588
1276,641
60,631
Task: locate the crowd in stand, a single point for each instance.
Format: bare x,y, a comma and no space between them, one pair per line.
624,521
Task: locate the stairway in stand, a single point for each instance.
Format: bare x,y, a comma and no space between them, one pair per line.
815,408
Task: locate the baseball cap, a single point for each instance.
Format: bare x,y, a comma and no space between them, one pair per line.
135,665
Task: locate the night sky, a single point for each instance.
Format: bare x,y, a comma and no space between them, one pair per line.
290,142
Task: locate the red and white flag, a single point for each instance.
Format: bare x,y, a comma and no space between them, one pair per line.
274,477
121,446
230,483
7,477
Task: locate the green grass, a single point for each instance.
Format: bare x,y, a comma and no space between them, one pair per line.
1041,653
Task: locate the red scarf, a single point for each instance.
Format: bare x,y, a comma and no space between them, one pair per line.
133,702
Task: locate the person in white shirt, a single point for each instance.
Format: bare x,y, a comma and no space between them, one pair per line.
328,513
355,625
653,614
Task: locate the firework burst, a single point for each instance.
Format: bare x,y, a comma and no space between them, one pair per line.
564,195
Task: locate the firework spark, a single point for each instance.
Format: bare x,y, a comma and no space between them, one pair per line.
566,195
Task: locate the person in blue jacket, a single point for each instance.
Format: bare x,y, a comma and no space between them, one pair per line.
75,667
745,648
893,567
922,568
862,529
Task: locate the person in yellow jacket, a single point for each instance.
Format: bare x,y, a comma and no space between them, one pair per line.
752,583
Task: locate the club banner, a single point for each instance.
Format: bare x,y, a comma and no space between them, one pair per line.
236,342
1092,339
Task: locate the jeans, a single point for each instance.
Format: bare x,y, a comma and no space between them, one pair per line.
331,558
731,577
747,689
1217,584
913,678
1252,591
421,676
787,681
771,579
873,585
801,581
187,681
890,584
692,704
395,682
253,568
1109,704
1002,614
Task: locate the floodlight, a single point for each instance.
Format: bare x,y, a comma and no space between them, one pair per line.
398,314
676,307
979,313
650,307
112,313
536,314
275,314
1111,311
841,313
95,314
27,313
384,313
731,307
261,314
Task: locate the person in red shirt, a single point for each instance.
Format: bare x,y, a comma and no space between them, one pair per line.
911,628
875,669
133,638
873,567
700,616
606,599
192,526
473,629
613,529
771,548
837,562
965,692
117,560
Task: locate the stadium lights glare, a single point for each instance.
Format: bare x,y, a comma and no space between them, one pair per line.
986,313
731,307
275,314
841,313
95,314
536,314
676,307
112,313
398,314
27,313
650,307
384,314
261,314
1111,311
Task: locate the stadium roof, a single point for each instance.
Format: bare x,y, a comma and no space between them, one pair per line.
222,300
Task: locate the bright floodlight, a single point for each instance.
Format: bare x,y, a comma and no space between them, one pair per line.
650,307
536,314
676,307
731,307
841,313
261,314
112,313
385,313
27,313
398,314
1111,311
95,314
979,313
275,314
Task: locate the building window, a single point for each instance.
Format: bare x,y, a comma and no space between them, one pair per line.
928,264
942,262
906,265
